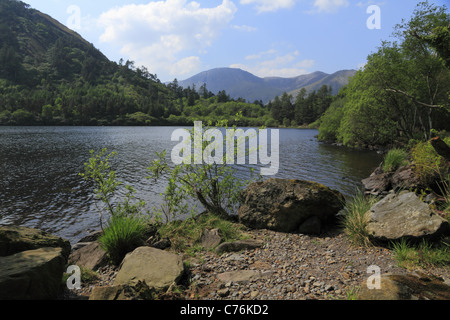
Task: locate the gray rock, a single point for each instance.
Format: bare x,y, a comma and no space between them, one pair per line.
16,239
162,244
211,238
90,256
239,245
32,275
404,216
241,276
159,269
284,205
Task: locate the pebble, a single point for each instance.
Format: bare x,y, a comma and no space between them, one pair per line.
292,266
299,269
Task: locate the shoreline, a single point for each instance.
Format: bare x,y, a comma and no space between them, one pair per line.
289,266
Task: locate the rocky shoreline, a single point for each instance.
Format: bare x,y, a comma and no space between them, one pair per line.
288,266
293,249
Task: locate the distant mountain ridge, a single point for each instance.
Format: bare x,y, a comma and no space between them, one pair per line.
242,84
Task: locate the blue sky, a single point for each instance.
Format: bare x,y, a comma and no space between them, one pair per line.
285,38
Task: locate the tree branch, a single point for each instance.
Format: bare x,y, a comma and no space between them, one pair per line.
432,106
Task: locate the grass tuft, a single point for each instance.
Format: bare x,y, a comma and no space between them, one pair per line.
123,234
394,159
356,218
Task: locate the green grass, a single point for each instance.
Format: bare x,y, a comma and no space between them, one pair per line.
185,235
423,255
394,159
355,219
123,234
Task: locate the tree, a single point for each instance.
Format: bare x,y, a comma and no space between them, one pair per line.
403,89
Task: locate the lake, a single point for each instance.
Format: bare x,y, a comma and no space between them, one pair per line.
39,166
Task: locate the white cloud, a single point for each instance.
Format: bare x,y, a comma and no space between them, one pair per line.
330,6
160,34
244,28
269,64
270,5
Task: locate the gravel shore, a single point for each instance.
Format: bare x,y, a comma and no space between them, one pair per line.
287,267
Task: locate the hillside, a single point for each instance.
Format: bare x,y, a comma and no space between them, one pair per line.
50,75
242,84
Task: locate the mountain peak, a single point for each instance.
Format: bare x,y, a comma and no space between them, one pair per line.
239,83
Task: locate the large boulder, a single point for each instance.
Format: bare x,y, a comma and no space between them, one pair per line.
404,216
16,239
407,287
285,205
157,268
90,256
32,275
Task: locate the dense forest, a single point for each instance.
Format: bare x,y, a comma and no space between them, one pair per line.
49,75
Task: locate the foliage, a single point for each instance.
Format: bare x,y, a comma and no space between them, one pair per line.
429,166
126,227
330,122
306,109
123,234
394,159
400,94
423,255
49,75
355,218
215,185
185,234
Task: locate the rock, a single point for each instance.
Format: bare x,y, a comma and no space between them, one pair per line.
404,178
311,226
284,205
241,276
380,182
79,245
91,237
32,274
407,287
223,292
158,268
211,238
404,216
139,291
162,244
377,184
239,245
91,256
16,239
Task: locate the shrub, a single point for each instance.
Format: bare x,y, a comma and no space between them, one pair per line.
394,159
123,234
429,166
355,218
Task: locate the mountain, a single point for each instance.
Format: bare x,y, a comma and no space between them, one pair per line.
50,75
242,84
34,46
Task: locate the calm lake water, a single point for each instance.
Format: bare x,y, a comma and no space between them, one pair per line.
40,186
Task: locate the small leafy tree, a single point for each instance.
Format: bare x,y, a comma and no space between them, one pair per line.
215,185
126,228
98,171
